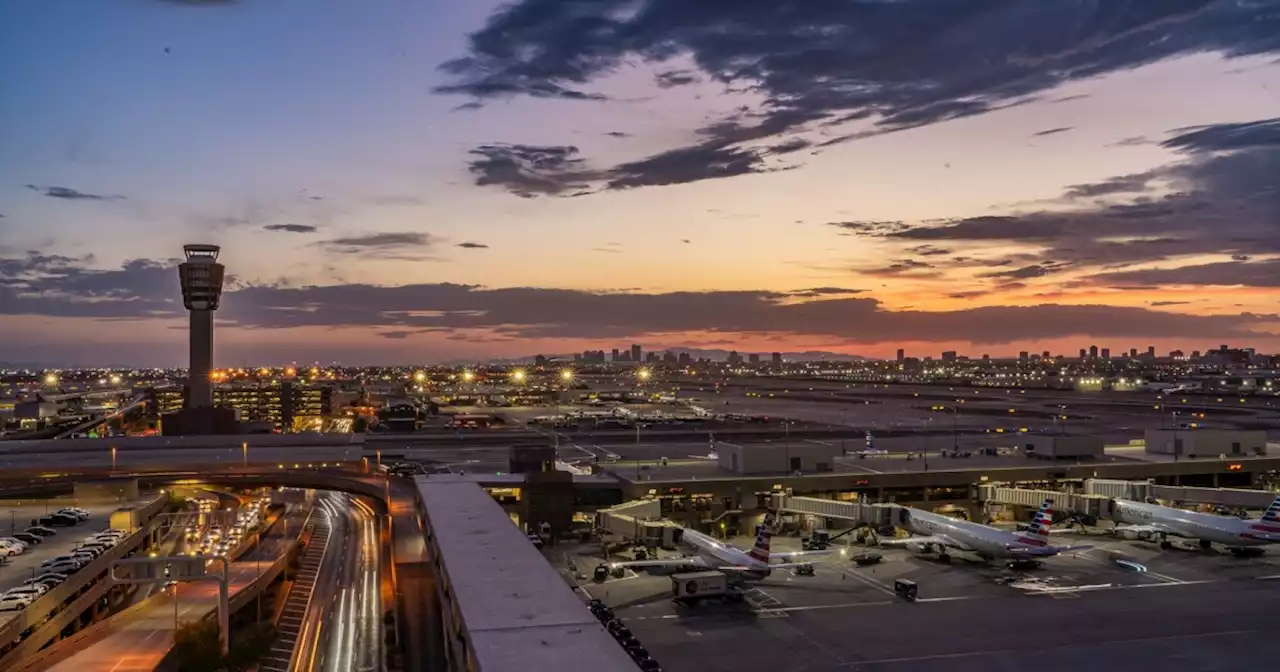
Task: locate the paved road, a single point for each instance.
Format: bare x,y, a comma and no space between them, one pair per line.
142,638
347,603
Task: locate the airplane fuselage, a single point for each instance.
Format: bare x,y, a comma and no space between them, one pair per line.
1224,530
716,553
984,541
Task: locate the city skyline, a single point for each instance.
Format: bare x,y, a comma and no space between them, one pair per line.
426,182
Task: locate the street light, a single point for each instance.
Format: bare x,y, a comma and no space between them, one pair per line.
113,458
468,376
51,379
244,449
419,376
566,375
115,380
518,375
644,374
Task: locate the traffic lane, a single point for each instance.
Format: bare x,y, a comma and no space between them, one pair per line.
230,456
141,638
67,539
313,640
352,616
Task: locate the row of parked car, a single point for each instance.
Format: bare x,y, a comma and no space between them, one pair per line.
18,542
623,634
54,571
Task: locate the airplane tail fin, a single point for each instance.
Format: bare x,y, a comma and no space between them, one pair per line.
764,532
1272,514
1037,533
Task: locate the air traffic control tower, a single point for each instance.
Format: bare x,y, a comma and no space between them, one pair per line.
201,277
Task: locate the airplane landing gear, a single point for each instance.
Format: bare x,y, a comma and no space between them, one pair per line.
944,558
1205,544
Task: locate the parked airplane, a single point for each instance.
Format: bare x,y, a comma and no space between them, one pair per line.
1162,522
711,553
981,540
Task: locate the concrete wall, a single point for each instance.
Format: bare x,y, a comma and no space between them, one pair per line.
776,458
1206,442
117,490
1054,447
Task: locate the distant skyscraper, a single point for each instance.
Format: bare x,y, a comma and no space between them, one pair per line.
635,353
949,356
1106,353
1083,354
902,354
1024,356
1151,351
777,360
1093,352
1045,356
754,359
1133,353
615,354
685,359
734,358
669,357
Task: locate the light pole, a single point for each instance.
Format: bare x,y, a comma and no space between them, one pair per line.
244,450
113,458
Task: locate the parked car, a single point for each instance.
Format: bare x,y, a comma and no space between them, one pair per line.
41,530
64,558
98,548
16,542
77,512
7,550
34,589
28,538
15,602
49,579
109,539
60,520
64,567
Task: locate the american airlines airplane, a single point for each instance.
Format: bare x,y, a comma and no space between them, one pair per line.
1162,522
984,541
711,553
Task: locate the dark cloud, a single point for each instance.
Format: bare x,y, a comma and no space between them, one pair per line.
1123,184
814,292
1225,273
61,286
672,78
928,250
972,294
618,134
1240,257
1053,131
912,267
387,245
394,334
705,161
67,193
1157,304
530,170
1221,199
1026,272
291,228
891,65
472,246
789,146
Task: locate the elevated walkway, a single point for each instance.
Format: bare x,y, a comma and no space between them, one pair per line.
640,520
1099,494
875,515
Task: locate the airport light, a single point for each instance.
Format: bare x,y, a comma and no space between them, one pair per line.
644,374
566,375
51,379
115,380
468,376
518,375
419,376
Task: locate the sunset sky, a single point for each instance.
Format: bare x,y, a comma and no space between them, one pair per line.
421,181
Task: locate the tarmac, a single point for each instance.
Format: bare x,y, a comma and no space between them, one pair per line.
1173,611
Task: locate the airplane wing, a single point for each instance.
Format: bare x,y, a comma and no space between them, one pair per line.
790,557
694,561
1149,528
937,539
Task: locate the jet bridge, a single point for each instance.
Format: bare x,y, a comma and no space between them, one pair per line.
876,515
1097,506
640,520
1140,490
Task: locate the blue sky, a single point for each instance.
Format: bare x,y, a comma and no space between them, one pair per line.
584,174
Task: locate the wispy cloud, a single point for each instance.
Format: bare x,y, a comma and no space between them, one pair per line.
67,193
291,228
472,246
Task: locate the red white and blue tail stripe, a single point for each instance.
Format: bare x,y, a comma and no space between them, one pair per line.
760,550
1037,533
1270,520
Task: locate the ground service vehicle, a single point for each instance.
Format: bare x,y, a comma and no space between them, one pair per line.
693,587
